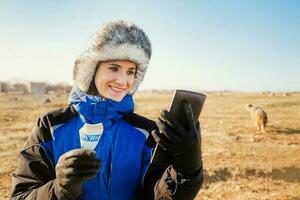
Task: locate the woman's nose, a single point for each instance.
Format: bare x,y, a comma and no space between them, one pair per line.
121,79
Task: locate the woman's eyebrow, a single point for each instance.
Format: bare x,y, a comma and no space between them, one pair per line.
132,68
119,66
116,65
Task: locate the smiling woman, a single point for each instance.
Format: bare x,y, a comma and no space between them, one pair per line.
97,147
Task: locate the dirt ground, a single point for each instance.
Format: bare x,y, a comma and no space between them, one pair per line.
239,161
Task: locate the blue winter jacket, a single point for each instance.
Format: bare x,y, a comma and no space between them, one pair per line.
121,149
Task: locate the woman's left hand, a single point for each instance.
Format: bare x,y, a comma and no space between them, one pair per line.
184,143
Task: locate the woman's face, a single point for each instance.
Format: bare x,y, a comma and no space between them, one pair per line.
114,79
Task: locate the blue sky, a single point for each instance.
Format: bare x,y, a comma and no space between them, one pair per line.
251,45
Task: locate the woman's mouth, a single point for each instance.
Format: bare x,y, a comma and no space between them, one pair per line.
117,89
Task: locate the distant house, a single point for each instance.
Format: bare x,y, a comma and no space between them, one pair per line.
19,88
59,88
36,88
5,87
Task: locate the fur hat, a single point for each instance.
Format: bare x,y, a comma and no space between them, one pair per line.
118,40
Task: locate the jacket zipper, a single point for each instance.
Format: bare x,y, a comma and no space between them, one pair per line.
109,177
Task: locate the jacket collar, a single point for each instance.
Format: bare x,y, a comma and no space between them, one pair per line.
95,109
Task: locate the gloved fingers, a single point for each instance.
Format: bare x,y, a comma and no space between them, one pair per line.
87,176
82,153
75,179
80,162
189,117
197,125
165,129
162,141
81,172
167,117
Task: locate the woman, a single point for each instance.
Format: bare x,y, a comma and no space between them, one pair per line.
59,161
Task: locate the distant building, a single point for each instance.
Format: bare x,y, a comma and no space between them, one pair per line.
19,88
36,88
5,87
59,88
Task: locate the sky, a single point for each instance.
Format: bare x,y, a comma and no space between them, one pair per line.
249,45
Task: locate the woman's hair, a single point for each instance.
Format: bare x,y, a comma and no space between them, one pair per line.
92,88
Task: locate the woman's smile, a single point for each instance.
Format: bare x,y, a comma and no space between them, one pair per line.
117,89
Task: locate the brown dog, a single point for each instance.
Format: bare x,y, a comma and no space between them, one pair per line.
259,116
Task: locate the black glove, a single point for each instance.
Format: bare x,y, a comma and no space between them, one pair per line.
181,140
73,168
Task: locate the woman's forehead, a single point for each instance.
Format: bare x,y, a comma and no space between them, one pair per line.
121,63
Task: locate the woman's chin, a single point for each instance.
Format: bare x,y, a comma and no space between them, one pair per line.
117,97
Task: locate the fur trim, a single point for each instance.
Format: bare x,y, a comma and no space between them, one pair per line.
115,41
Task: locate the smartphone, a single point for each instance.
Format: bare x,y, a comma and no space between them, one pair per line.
160,156
196,100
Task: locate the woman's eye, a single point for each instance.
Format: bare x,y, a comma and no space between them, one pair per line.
131,72
114,69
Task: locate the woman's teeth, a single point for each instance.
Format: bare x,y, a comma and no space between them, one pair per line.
116,89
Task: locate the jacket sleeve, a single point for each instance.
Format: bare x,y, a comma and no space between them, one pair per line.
34,176
172,185
161,180
164,182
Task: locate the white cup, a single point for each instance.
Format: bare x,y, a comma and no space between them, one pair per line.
90,135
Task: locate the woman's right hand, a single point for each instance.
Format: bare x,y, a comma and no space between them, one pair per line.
74,168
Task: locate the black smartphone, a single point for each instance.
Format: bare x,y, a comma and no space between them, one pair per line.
196,100
161,157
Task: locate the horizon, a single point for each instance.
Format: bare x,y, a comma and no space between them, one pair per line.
204,45
12,82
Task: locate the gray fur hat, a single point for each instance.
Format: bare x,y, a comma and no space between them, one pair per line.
118,40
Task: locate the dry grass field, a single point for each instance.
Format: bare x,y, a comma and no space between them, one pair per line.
239,162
